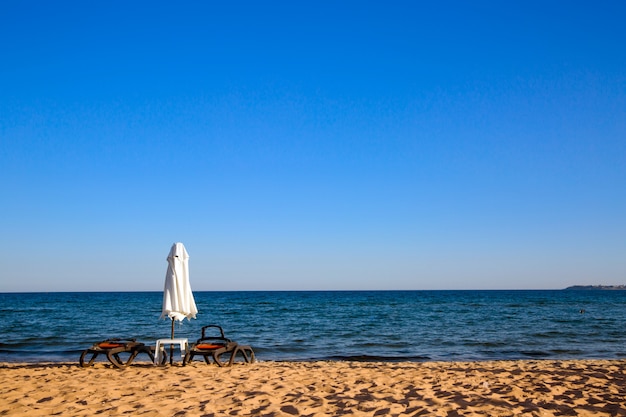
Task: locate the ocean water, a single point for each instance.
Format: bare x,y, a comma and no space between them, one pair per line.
331,325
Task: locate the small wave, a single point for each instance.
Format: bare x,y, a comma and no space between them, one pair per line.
562,352
535,353
376,358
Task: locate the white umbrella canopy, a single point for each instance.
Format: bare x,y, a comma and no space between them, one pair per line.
178,302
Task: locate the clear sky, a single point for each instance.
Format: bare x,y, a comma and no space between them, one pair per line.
304,145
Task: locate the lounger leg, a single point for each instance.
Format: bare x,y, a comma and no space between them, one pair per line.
248,354
132,357
91,361
148,351
114,358
217,355
245,351
143,349
232,356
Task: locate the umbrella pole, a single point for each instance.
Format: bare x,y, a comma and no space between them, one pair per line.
172,346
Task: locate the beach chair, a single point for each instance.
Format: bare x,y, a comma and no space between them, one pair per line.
115,350
214,347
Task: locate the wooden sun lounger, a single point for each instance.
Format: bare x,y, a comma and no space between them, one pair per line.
113,348
213,347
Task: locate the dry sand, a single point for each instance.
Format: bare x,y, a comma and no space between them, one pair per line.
498,388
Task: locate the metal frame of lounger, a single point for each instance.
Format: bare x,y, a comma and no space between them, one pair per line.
213,347
112,348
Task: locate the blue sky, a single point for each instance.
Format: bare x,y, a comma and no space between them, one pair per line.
313,145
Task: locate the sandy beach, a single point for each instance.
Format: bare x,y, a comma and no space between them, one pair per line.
496,388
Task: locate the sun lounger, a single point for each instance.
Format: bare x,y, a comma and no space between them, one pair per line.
214,347
113,348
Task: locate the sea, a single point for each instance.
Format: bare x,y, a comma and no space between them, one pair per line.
389,326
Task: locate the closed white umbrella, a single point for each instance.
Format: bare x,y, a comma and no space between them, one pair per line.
178,302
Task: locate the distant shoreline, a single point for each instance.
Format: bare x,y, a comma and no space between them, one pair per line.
598,287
